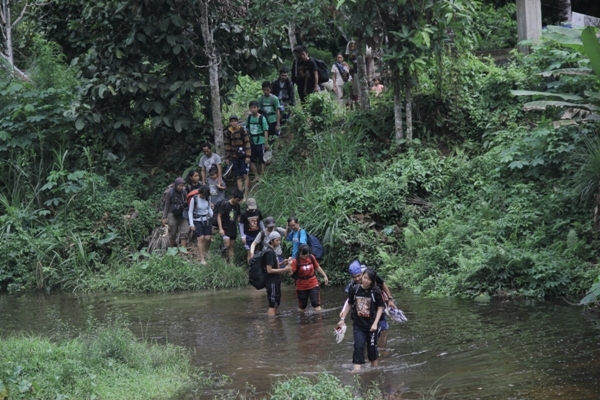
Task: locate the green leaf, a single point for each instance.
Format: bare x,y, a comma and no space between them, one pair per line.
178,127
564,96
426,38
79,123
592,47
542,104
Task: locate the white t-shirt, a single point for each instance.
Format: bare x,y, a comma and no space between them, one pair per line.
338,77
208,162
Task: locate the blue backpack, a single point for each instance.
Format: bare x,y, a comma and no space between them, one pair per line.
316,247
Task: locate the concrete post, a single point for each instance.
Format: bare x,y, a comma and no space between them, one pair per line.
529,22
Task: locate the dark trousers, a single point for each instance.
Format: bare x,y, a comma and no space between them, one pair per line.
364,338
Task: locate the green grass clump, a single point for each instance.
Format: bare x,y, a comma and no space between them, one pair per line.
107,362
169,272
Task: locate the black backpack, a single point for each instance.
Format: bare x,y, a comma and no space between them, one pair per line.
323,71
315,245
257,274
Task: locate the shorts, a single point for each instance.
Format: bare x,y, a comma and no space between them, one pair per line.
383,324
303,296
273,129
274,294
230,233
240,168
249,240
258,152
203,228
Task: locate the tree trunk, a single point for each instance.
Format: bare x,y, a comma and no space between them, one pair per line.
213,75
6,21
407,88
292,36
397,112
363,84
6,27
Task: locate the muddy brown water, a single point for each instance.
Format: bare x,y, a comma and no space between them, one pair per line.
462,349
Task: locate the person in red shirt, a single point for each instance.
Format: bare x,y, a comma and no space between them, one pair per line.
304,269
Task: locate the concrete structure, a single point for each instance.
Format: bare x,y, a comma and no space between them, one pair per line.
581,20
529,22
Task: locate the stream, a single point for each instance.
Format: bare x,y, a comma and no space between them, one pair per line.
456,348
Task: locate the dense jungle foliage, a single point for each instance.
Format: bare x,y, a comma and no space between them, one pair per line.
486,199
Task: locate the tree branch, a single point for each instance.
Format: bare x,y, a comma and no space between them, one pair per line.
21,15
22,75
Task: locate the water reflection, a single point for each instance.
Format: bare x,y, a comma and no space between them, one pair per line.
486,350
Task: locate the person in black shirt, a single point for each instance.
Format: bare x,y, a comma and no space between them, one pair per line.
305,73
283,88
274,274
228,214
367,305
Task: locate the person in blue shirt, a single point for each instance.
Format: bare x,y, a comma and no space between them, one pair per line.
295,234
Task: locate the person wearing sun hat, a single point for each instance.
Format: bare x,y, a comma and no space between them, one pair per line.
251,223
273,281
356,270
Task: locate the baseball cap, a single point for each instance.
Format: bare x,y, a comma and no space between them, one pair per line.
251,203
274,235
355,268
233,116
269,222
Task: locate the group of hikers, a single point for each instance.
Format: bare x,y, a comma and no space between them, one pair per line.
196,207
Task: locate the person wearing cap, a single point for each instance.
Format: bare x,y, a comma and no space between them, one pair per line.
238,152
228,213
356,270
251,223
262,239
273,281
175,213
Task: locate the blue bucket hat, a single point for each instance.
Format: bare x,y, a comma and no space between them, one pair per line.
355,268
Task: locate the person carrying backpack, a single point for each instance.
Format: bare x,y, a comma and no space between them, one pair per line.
304,270
273,281
262,239
175,213
366,303
295,234
356,271
258,128
199,216
305,73
269,103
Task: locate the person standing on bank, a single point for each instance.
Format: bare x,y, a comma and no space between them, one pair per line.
199,216
263,237
270,104
367,305
238,152
273,284
208,160
305,73
295,234
259,139
251,223
228,214
340,75
173,213
304,268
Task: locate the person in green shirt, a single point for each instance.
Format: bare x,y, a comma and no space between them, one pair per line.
270,104
258,128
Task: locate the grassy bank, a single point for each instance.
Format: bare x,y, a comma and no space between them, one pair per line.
107,362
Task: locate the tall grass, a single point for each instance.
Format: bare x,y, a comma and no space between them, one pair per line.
106,362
